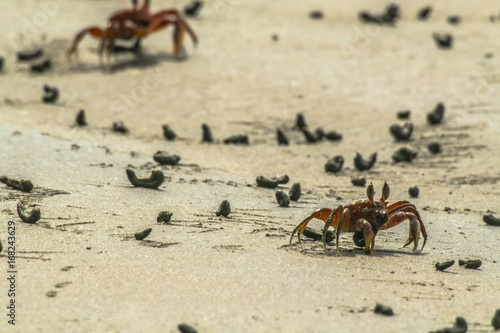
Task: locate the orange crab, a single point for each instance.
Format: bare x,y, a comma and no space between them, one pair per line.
137,23
366,217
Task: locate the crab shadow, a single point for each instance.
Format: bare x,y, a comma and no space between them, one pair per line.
142,61
311,249
123,61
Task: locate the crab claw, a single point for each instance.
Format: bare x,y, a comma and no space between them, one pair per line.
368,234
369,241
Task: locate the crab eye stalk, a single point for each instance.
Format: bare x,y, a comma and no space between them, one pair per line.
370,192
386,191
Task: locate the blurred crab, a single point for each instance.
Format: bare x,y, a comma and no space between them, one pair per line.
366,217
136,23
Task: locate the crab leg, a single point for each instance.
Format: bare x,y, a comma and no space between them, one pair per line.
178,39
93,31
339,217
322,214
405,206
165,17
416,226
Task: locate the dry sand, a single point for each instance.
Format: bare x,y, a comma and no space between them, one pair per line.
237,274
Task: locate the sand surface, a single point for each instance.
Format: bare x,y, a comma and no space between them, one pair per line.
237,274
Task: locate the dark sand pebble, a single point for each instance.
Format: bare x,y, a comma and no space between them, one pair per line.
168,133
424,13
318,236
495,321
275,37
224,209
316,15
51,94
358,181
164,217
295,192
238,139
461,322
472,263
401,133
29,54
383,309
185,328
119,127
436,116
404,155
489,219
443,41
29,217
441,266
488,55
300,122
282,198
154,181
388,17
143,234
310,138
334,164
405,114
1,247
454,19
266,183
333,136
413,191
67,268
193,9
281,137
460,326
207,133
63,284
24,185
52,293
319,133
361,164
165,158
41,67
2,62
434,147
281,179
81,118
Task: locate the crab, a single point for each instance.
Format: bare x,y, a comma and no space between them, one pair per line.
136,23
366,217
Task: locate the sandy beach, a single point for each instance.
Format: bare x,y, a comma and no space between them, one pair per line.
257,65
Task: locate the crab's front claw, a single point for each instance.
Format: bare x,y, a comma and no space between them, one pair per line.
368,234
369,241
414,231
